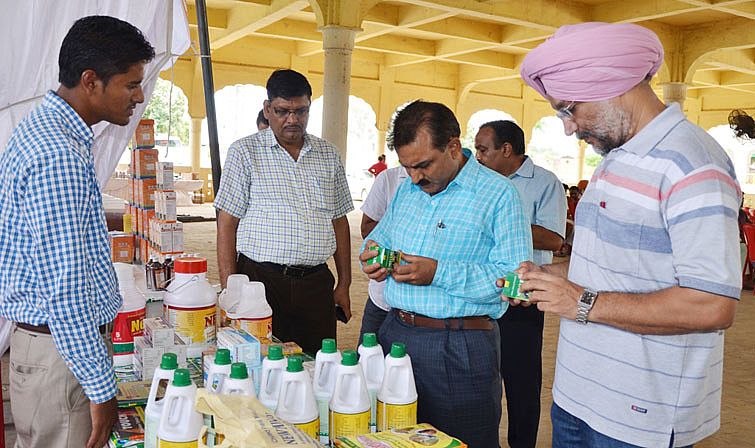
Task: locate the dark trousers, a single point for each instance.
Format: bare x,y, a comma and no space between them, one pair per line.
372,319
303,307
457,377
522,372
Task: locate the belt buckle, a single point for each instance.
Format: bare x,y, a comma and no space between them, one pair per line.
411,317
285,269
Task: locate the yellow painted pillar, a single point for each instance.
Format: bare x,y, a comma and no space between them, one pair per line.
338,44
380,150
674,92
195,142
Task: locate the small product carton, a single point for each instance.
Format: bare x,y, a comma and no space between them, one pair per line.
158,332
121,247
243,346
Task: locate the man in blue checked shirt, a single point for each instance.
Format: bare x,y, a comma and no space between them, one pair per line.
56,278
458,224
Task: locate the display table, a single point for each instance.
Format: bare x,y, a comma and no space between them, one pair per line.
118,187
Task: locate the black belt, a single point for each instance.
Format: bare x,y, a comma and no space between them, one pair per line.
291,271
44,329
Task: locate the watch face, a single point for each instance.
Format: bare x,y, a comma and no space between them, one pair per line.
588,297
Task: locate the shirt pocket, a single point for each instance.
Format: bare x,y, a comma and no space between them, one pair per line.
321,195
459,237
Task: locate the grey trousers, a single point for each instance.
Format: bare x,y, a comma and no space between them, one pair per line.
50,409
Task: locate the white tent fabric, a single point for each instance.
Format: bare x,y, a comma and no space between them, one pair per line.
32,32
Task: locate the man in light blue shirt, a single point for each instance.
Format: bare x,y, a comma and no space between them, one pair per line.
458,224
500,146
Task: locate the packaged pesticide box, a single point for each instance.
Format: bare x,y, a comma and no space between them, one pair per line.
418,436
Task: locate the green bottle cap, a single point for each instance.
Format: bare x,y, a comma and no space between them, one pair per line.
398,350
328,345
294,364
275,353
369,340
223,357
169,362
181,378
349,358
238,371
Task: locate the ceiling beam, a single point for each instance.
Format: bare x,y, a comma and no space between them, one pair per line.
217,19
546,15
729,7
244,20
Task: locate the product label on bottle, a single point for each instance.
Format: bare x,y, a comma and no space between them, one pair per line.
373,410
194,325
127,325
322,406
166,444
259,328
390,416
312,428
349,425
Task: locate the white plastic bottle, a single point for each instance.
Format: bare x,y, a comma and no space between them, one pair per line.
326,365
190,302
229,298
220,369
350,405
273,367
180,423
252,313
238,382
397,399
296,402
152,412
372,361
129,321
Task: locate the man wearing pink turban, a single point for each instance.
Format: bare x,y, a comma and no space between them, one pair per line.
654,274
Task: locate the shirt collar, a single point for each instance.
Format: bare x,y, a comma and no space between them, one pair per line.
466,178
80,129
527,169
272,142
655,131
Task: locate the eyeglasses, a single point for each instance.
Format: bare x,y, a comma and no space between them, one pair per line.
284,113
567,112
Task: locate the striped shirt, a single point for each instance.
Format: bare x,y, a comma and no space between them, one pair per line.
475,229
660,211
55,266
544,202
286,206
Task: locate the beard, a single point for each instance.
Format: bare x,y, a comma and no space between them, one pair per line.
610,132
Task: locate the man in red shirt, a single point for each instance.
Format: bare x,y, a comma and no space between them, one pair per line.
379,167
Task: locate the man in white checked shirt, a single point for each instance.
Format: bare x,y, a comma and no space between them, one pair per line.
56,278
282,206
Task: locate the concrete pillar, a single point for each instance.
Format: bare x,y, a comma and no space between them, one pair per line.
581,160
337,43
195,142
674,92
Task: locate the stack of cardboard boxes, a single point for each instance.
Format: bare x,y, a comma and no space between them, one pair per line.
152,200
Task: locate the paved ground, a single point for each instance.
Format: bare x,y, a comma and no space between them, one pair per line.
738,408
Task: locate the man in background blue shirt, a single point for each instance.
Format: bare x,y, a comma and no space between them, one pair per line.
57,282
500,147
458,224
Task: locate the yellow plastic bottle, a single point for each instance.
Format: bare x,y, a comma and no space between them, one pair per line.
397,398
350,405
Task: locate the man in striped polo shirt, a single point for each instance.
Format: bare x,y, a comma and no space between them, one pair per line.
654,274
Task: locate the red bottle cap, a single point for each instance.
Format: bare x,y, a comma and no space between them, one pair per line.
190,265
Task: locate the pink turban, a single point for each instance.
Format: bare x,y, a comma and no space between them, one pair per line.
592,61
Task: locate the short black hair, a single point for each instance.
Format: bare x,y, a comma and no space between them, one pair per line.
381,157
261,118
287,84
107,45
506,131
437,118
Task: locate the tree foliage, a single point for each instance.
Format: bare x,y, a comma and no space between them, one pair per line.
162,107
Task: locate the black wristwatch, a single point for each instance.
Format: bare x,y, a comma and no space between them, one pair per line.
585,304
